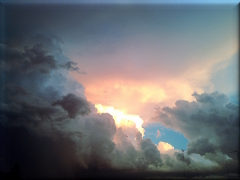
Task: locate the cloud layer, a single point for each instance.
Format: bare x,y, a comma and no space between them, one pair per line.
50,128
44,111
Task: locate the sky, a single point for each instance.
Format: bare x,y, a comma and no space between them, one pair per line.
95,90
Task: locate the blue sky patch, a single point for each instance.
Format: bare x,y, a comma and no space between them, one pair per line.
176,139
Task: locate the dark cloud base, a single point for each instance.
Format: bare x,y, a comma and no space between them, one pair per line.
153,175
38,157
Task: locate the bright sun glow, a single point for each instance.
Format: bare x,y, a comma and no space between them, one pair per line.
122,119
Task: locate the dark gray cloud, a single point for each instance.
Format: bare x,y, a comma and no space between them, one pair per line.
25,108
210,123
73,105
151,153
24,59
232,106
96,146
29,60
201,146
43,105
213,98
34,62
71,66
182,158
39,103
87,141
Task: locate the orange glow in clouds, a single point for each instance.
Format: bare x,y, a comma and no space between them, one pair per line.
122,119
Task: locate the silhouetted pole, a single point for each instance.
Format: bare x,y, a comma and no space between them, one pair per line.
183,164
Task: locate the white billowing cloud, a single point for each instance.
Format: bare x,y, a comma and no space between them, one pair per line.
158,134
122,119
164,146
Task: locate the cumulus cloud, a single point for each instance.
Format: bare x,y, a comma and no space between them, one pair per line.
96,146
210,123
214,98
201,146
164,146
38,110
150,151
42,106
24,107
34,62
125,153
144,156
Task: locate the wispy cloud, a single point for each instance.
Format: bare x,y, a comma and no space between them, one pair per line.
158,134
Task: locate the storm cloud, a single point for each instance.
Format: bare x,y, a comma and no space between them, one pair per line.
50,128
210,123
45,127
25,59
201,146
151,152
29,60
45,118
74,105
